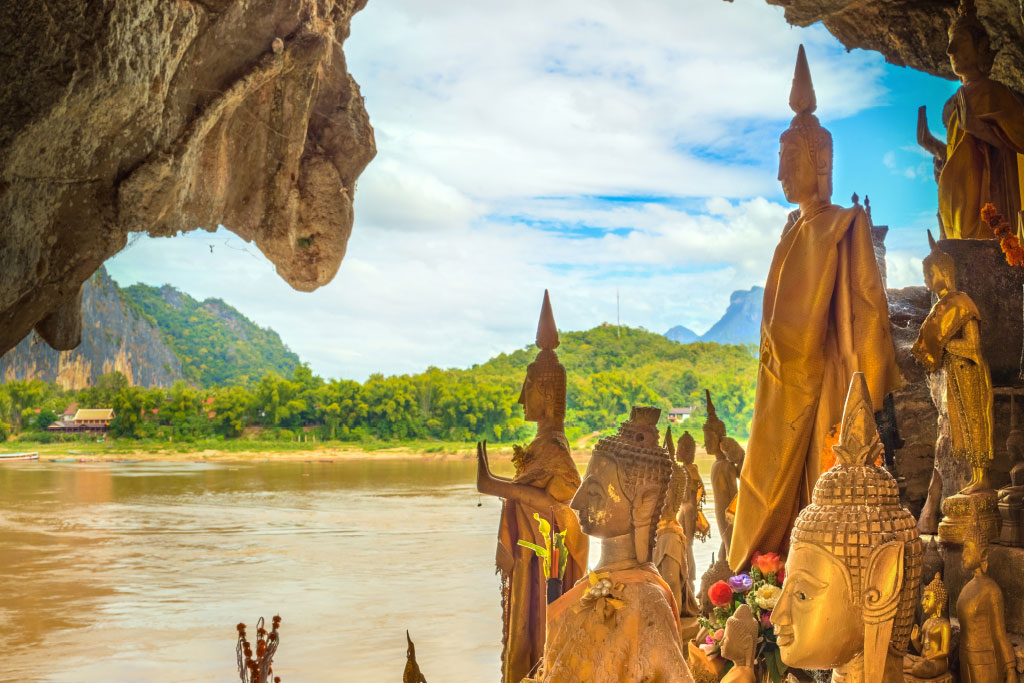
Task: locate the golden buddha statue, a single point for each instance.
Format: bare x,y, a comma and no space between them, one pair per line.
986,654
691,514
670,548
854,566
932,638
723,472
824,317
621,625
980,160
545,481
739,645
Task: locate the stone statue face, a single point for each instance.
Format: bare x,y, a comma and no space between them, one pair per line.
601,505
796,172
735,646
964,55
712,440
818,624
973,556
929,602
532,399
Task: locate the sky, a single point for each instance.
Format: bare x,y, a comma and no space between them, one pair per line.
589,147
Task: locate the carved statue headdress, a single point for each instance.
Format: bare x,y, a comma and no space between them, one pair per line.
940,260
855,514
967,20
938,589
643,466
713,423
545,370
806,127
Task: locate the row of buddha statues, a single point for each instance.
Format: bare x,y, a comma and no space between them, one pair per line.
811,487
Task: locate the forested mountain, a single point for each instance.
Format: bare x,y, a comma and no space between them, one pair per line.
608,369
216,344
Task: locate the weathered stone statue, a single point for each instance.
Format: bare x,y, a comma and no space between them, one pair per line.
984,136
723,473
950,340
825,316
740,646
670,548
854,567
621,625
932,638
545,481
412,673
986,654
691,515
1011,498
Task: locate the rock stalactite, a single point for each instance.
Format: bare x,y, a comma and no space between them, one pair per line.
145,115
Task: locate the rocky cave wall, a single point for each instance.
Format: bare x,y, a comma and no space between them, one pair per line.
164,116
914,32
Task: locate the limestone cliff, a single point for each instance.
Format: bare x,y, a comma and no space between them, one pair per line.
114,337
164,116
913,33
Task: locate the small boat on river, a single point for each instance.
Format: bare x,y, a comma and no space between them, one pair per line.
4,457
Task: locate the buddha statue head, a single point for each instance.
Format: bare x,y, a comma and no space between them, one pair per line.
543,394
939,269
934,599
625,486
714,429
854,566
969,49
739,644
686,449
805,155
975,549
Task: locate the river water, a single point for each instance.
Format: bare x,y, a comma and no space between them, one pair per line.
139,571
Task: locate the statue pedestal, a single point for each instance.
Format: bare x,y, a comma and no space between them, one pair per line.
959,512
944,678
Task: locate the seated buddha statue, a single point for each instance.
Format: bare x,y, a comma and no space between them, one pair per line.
854,567
932,638
620,625
739,645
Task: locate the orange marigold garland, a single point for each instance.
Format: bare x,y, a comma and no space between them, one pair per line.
1004,233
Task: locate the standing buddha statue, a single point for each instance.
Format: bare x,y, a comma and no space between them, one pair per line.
545,481
691,515
986,654
670,555
932,638
854,566
621,626
825,316
723,472
980,160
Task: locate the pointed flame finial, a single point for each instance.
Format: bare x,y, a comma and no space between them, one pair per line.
547,333
801,96
712,415
931,241
859,443
669,443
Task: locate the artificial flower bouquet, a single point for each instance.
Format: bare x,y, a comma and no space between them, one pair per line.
760,589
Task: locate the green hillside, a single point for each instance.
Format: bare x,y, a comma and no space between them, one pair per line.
217,345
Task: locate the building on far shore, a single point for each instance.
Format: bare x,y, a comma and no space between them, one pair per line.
679,414
85,421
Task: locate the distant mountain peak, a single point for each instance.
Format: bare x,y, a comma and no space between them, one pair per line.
741,323
683,335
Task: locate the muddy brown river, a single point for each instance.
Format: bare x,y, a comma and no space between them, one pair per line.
139,571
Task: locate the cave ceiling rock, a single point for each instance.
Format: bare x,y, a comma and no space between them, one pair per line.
163,116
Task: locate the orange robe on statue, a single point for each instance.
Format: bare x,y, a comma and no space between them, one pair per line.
825,317
547,465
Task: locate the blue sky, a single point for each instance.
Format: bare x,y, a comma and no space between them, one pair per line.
581,146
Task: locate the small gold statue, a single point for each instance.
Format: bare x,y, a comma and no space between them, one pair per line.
1010,499
621,625
691,514
978,164
932,638
740,646
723,472
546,480
670,543
986,654
825,315
854,568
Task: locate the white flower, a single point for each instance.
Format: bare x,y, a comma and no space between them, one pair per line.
767,595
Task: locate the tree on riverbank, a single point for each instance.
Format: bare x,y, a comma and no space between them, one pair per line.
607,374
